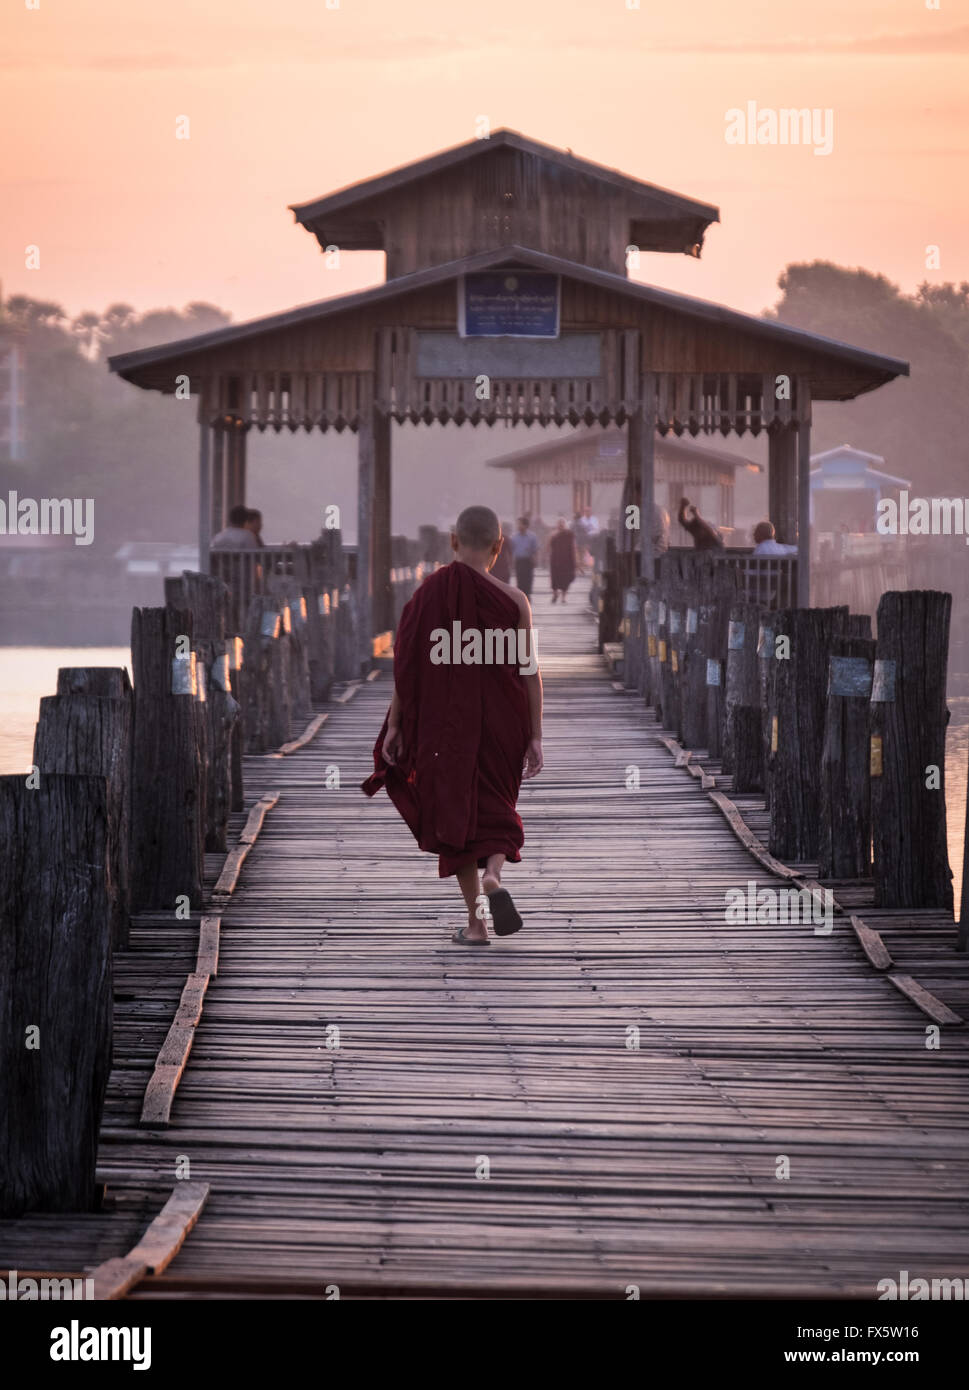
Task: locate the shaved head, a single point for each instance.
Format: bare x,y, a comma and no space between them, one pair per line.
478,528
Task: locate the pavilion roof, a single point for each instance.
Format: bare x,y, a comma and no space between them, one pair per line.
150,367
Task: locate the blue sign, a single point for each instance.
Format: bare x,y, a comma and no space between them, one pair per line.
509,304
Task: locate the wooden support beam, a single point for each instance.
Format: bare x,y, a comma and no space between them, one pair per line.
366,446
782,443
804,496
640,462
383,598
206,529
217,510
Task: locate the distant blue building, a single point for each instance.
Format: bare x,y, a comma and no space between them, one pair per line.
846,487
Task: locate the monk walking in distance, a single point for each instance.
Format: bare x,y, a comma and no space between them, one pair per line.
465,723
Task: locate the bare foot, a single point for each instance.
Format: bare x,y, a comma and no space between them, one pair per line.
490,882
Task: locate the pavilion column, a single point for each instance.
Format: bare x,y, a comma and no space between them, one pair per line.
641,467
365,496
804,495
205,483
782,481
218,477
383,602
235,466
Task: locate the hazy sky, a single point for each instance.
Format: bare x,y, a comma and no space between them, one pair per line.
290,100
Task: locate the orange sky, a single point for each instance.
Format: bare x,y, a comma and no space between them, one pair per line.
289,100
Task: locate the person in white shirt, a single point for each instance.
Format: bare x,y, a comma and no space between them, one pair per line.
237,535
765,543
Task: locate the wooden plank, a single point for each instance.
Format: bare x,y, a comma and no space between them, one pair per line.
871,943
207,960
308,734
746,837
158,1246
924,1000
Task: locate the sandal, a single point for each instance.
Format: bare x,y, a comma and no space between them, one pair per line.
505,915
461,939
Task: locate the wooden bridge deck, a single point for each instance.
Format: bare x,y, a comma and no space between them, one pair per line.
609,1164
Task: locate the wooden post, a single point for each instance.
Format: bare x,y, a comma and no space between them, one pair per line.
218,476
845,844
167,808
109,681
693,673
742,691
383,601
766,667
640,466
55,990
804,495
796,727
908,724
366,447
782,493
206,529
90,735
714,629
964,897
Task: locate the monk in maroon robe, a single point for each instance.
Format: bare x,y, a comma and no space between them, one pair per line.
465,723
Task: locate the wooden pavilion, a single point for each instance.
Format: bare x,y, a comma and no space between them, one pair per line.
588,459
507,298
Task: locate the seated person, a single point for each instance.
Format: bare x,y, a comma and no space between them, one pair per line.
765,542
237,535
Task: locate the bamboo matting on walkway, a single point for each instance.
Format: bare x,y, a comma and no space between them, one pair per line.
629,1092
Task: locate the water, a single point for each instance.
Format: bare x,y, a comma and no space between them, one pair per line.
28,673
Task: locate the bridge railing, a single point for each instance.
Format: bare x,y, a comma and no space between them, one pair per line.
842,734
128,792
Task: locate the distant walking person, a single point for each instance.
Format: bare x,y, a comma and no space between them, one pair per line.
501,569
524,551
561,559
237,535
705,536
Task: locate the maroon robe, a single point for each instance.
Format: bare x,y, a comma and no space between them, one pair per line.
465,729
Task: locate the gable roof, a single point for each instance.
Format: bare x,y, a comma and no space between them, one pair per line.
669,445
136,366
309,212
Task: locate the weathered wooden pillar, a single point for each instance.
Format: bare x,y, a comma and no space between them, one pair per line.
366,446
641,464
206,529
845,846
796,728
235,466
383,599
742,732
168,784
804,495
218,477
55,990
782,449
88,733
908,724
